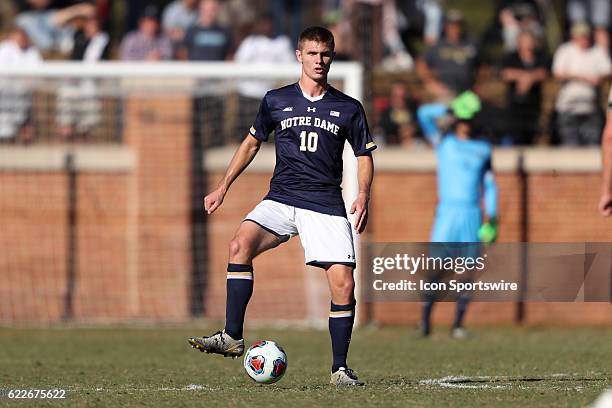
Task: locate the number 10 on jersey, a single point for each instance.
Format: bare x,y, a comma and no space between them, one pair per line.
308,142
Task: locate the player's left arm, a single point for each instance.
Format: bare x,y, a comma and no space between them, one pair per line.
488,230
490,195
365,174
360,139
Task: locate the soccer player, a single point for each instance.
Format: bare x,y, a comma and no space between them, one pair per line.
464,176
605,202
311,121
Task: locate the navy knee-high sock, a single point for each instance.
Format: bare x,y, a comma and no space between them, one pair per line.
426,317
460,310
341,319
239,291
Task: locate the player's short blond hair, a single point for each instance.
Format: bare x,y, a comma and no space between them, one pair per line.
318,34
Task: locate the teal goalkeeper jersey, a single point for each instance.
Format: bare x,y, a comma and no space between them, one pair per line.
464,166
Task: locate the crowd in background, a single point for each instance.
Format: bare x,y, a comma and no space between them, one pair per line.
527,44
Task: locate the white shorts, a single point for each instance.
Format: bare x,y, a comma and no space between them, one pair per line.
326,239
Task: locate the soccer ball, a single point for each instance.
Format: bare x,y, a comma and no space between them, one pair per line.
265,362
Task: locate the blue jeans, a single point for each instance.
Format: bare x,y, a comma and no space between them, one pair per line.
596,12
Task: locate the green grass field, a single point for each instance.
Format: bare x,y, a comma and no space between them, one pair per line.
497,367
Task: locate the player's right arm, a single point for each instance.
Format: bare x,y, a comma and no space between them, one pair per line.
428,116
243,156
259,132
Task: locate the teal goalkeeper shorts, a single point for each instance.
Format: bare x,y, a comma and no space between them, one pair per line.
456,223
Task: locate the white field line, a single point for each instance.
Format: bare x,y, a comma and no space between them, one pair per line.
459,382
479,382
190,387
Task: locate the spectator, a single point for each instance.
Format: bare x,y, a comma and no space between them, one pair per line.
594,12
90,42
523,71
516,18
261,46
398,121
398,57
340,32
430,12
146,43
581,68
178,16
207,40
409,138
49,28
510,18
420,20
78,104
15,97
450,66
288,16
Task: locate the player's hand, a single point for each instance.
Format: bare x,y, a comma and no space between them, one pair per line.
360,209
605,204
213,200
487,233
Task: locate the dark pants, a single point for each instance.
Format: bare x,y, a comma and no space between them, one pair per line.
523,126
579,130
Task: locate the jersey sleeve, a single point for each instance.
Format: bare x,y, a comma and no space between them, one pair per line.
428,115
490,191
359,134
263,125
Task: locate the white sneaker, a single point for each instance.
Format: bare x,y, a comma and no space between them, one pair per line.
345,376
459,333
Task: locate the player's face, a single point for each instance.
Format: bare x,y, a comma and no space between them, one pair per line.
316,58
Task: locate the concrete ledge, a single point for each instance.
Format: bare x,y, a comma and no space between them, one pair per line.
217,159
93,158
563,160
390,159
105,158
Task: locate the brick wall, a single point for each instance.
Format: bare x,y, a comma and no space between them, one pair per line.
133,241
159,131
561,208
33,244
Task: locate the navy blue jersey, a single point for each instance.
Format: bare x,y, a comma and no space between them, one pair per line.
309,135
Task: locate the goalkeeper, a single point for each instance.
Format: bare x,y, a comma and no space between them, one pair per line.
465,178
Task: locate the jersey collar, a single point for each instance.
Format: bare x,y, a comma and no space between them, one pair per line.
310,98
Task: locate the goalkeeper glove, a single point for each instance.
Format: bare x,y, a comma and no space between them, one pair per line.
487,232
